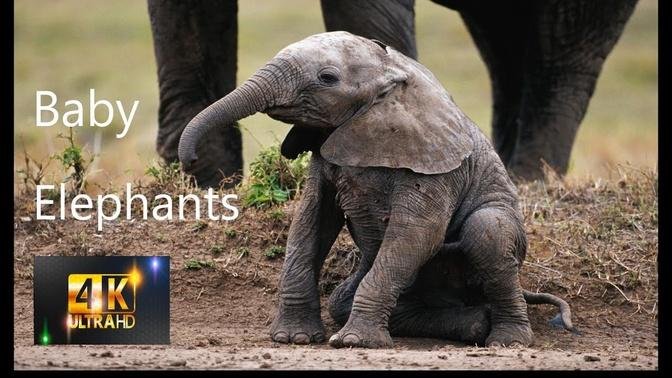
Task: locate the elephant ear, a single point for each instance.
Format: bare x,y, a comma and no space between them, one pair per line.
416,125
300,139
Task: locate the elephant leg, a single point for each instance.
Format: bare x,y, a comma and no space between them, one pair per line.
389,21
340,300
315,226
501,44
569,42
494,244
413,318
195,46
410,240
544,58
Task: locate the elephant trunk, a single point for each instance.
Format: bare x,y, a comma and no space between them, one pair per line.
266,88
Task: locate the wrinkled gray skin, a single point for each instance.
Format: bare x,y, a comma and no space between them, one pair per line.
420,188
543,56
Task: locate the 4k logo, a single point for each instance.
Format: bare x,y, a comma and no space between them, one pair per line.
102,300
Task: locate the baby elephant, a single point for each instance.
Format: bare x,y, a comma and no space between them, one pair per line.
420,188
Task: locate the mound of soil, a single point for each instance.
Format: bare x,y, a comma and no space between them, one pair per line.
594,243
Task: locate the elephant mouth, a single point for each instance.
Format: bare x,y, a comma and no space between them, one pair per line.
286,114
298,115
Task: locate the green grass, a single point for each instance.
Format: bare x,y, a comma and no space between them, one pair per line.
69,46
198,264
273,179
274,252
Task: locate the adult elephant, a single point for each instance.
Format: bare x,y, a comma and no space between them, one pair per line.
543,57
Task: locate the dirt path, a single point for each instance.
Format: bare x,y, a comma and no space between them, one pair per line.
206,334
593,244
321,357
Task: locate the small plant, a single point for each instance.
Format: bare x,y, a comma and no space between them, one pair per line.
242,252
217,249
72,159
198,226
273,178
164,172
274,252
198,264
34,171
169,177
277,215
230,233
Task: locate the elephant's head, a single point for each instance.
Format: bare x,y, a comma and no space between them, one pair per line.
357,101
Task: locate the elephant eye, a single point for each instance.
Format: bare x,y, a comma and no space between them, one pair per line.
328,78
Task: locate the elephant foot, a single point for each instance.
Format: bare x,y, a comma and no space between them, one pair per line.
510,335
297,327
474,325
361,334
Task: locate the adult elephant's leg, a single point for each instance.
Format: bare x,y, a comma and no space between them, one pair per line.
569,41
494,245
389,21
315,226
501,43
195,46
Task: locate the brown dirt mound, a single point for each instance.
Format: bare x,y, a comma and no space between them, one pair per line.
593,243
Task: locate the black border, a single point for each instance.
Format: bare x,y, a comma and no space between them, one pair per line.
8,172
664,146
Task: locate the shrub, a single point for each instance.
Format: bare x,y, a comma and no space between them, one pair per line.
273,178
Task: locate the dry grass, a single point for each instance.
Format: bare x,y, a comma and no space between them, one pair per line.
589,239
595,239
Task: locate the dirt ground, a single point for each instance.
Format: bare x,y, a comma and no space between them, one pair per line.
593,243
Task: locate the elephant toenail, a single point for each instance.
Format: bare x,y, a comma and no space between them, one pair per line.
335,341
281,337
301,338
351,339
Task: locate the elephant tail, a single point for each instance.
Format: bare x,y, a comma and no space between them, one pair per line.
563,319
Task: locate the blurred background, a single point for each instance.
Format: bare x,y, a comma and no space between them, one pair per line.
69,46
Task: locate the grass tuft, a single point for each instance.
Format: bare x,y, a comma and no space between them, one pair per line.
274,179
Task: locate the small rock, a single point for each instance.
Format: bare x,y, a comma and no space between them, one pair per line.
25,219
179,363
107,353
265,365
266,356
590,358
442,357
93,354
49,363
